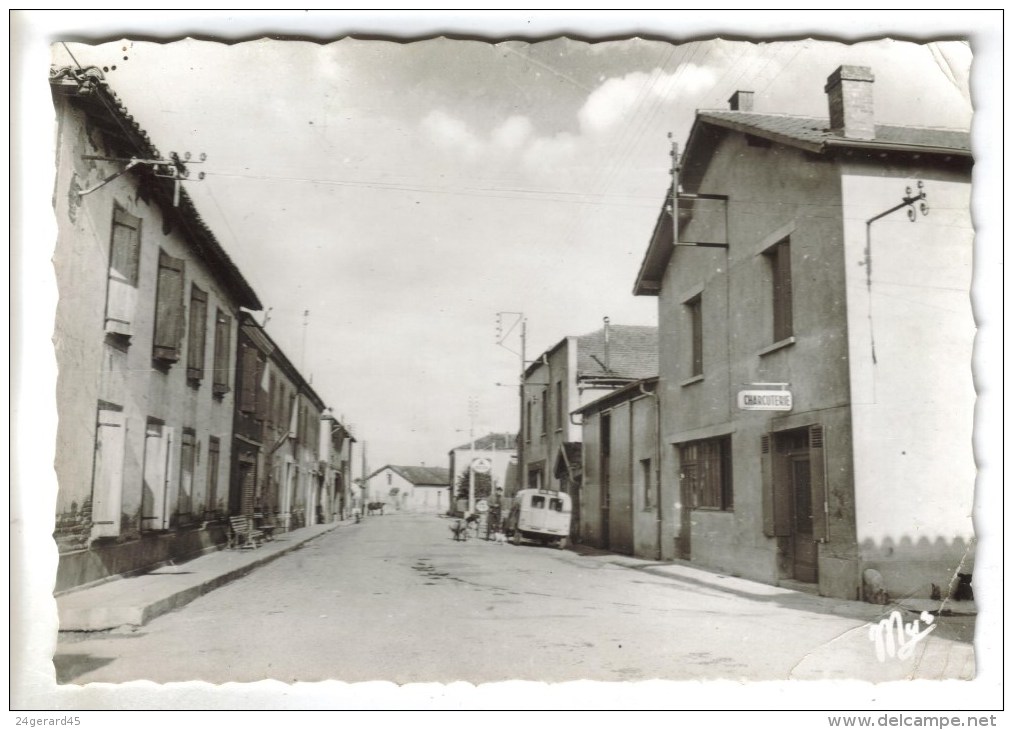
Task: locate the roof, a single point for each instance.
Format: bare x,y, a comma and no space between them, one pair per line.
632,353
492,442
420,476
88,91
810,134
813,133
627,393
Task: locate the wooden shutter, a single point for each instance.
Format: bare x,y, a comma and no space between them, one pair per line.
223,345
124,263
198,333
107,483
818,477
248,383
776,490
169,308
187,461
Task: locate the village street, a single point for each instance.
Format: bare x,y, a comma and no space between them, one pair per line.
396,598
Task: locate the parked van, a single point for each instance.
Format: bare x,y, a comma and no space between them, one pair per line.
540,514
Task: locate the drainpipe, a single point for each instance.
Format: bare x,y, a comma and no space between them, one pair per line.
657,463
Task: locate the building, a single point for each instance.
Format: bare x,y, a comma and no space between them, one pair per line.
500,449
145,342
280,462
336,442
620,496
423,489
815,348
567,376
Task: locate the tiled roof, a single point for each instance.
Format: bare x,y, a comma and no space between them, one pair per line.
814,132
633,353
492,442
97,99
423,476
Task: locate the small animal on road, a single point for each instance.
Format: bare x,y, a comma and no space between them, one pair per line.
375,507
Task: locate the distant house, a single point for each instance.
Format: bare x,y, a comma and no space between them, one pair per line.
812,277
145,342
500,449
411,488
567,376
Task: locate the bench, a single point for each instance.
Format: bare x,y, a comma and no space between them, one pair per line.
244,534
264,525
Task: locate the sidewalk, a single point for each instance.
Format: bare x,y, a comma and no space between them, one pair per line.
135,601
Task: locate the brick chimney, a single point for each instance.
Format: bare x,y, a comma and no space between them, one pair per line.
741,101
849,94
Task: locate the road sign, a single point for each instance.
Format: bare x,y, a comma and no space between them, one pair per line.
765,400
481,465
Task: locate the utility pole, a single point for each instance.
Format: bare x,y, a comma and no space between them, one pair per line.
500,338
362,492
302,355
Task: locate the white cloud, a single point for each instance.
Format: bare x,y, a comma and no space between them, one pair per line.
451,133
618,99
512,133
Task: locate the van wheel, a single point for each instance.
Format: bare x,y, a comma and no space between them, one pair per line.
516,537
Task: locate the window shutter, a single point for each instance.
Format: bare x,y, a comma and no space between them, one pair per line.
262,394
169,308
124,262
107,485
223,344
198,333
248,379
818,477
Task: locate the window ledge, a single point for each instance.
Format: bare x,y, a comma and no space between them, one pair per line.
780,344
690,381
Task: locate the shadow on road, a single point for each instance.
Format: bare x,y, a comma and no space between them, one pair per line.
70,666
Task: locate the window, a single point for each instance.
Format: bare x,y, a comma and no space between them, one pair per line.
198,333
694,308
779,256
559,405
124,265
214,452
248,378
188,460
648,486
527,420
168,309
706,473
545,411
223,345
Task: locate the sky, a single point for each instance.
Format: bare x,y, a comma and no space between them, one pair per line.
404,194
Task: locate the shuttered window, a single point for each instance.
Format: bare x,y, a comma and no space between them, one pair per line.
694,308
779,256
223,345
168,308
249,380
198,334
214,455
188,460
706,472
124,266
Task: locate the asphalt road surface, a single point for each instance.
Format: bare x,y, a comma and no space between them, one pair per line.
396,598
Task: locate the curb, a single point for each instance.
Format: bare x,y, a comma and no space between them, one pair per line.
117,617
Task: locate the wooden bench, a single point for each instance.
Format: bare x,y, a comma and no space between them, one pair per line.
265,525
244,534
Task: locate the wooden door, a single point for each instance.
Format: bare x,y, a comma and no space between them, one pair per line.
803,536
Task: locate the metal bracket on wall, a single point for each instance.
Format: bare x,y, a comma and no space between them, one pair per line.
173,168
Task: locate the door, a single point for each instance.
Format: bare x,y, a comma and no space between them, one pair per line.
803,534
157,474
107,483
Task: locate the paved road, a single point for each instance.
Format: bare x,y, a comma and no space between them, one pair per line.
395,598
